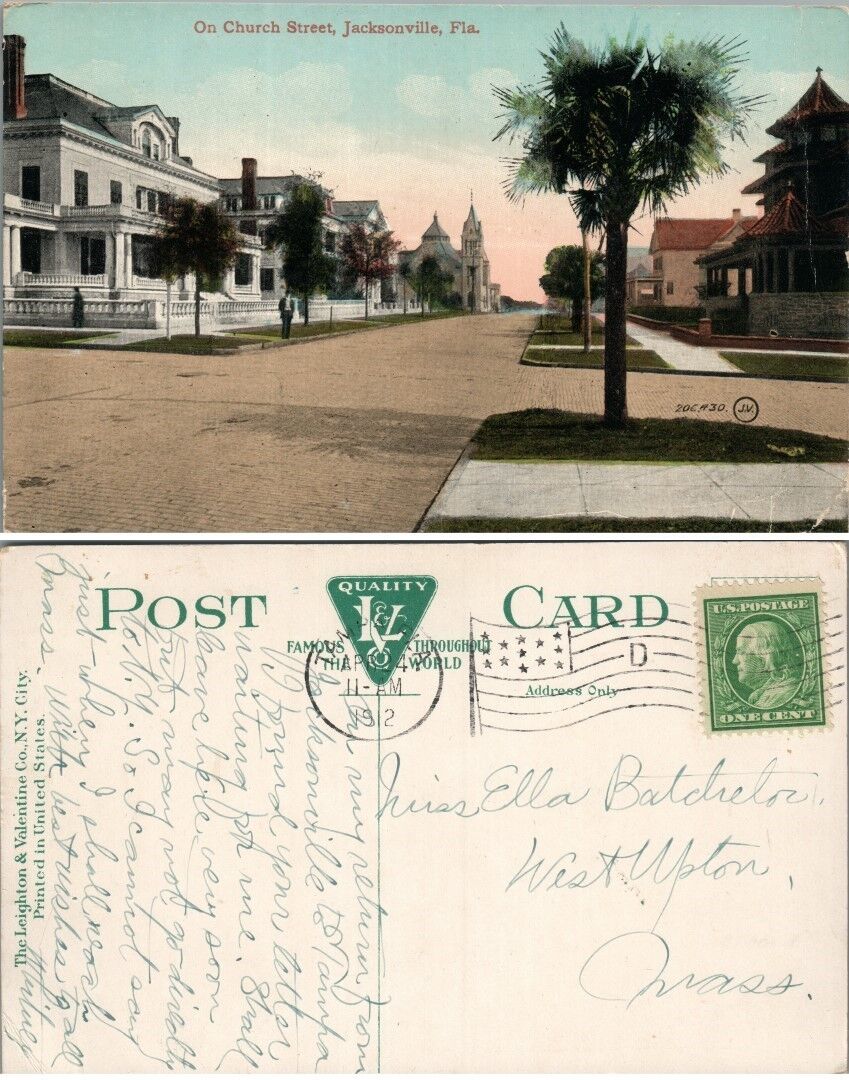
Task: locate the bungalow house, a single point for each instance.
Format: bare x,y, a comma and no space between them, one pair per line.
677,243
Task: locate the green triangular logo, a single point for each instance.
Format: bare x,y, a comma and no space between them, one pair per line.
381,614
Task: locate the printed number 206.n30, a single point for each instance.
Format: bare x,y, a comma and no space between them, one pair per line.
705,406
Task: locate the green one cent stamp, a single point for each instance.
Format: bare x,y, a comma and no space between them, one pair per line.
763,657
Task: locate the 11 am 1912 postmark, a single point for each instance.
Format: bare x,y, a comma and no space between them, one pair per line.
762,655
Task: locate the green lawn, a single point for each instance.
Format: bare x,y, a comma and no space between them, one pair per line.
607,525
566,337
553,435
636,359
562,323
790,365
271,331
49,339
206,344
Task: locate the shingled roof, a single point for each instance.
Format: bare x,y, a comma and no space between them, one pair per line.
691,234
435,230
819,100
789,217
49,98
353,209
265,185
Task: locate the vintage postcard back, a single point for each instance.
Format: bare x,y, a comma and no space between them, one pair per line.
424,808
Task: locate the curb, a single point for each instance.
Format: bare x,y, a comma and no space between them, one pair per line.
706,374
465,453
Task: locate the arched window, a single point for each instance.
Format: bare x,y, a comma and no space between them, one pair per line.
146,143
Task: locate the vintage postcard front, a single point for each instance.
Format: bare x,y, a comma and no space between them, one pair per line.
424,808
519,264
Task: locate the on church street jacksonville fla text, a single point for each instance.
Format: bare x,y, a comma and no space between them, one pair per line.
344,29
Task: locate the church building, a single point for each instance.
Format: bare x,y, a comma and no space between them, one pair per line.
469,265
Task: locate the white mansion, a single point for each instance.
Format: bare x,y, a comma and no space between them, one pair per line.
86,184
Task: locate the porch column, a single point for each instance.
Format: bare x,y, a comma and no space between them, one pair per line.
791,269
15,250
128,261
7,255
741,280
120,261
229,279
255,276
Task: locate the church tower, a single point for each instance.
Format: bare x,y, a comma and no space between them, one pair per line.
475,291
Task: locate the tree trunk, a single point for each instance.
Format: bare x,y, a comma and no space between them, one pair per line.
306,309
365,294
587,294
197,305
615,372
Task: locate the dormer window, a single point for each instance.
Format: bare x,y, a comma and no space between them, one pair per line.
152,142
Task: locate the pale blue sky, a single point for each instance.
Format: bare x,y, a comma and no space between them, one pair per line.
408,120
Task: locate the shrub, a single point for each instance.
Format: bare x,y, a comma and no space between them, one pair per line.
684,316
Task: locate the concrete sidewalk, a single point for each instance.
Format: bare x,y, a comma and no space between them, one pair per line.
678,354
774,493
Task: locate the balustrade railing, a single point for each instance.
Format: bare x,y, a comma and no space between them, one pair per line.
36,205
27,277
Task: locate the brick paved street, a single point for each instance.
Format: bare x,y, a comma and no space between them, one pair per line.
354,433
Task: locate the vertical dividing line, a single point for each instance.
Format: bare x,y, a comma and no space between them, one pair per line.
473,726
379,898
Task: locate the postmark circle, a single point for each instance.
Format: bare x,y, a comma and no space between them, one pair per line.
366,713
746,409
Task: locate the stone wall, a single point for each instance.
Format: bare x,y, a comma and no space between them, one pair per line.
800,314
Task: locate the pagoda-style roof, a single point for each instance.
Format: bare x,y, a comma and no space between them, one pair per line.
779,148
818,101
789,217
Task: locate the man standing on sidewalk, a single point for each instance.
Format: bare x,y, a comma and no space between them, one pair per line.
77,307
287,312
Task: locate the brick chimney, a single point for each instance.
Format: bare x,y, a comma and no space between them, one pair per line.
175,124
14,94
248,225
248,183
737,216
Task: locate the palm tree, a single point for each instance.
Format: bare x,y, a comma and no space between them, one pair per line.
620,129
198,239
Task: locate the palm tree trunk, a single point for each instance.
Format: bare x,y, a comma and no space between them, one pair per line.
615,372
587,294
197,305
